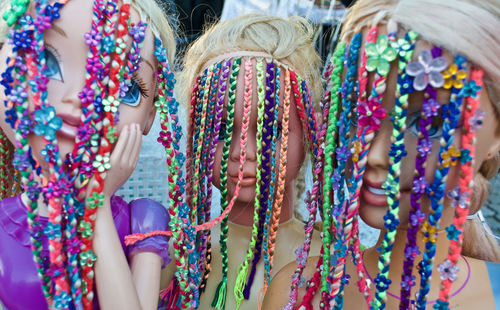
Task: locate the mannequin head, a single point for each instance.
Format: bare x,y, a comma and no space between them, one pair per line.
255,80
74,73
427,115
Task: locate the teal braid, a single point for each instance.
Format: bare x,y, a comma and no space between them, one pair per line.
267,224
233,80
241,278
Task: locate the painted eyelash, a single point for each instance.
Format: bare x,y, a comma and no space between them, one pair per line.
58,57
141,85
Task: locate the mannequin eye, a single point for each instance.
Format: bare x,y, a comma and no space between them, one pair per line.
279,131
222,132
131,96
132,93
53,69
435,131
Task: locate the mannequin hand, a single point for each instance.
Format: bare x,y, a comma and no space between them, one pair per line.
123,158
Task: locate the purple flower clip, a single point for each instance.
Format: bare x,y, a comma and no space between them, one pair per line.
427,70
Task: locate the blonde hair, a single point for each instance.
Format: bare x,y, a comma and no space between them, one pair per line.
287,40
452,25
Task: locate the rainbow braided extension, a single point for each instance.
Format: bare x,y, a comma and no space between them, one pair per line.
473,90
419,184
214,122
391,186
241,279
221,292
450,113
269,163
304,105
280,189
330,102
267,222
343,155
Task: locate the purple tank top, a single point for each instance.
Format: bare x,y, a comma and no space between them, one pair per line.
20,286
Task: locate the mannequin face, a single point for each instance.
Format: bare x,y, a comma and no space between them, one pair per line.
66,60
295,155
373,205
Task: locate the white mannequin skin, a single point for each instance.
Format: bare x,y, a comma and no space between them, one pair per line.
119,285
475,293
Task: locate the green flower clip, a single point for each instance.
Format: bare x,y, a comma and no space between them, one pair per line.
380,55
110,104
101,163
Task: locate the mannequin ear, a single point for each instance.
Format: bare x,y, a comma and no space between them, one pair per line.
494,148
149,121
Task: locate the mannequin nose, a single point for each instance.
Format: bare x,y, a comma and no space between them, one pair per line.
251,147
378,156
75,95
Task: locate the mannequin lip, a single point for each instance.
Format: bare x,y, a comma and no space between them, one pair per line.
374,199
248,179
69,119
69,128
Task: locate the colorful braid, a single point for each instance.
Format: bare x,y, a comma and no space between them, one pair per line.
455,230
222,287
330,104
450,113
280,189
391,184
430,109
241,278
217,111
343,154
302,100
219,300
268,164
17,112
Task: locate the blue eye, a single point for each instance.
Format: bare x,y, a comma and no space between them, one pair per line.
53,69
222,132
435,131
132,96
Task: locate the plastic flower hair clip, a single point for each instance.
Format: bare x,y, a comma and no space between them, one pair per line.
427,70
453,77
380,55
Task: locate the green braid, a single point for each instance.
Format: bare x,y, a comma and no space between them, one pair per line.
221,292
243,268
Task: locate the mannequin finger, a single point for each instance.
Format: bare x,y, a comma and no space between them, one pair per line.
131,144
137,148
120,145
